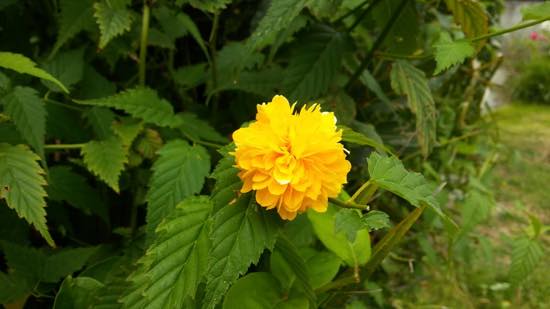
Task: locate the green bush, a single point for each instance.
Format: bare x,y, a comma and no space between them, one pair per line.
532,83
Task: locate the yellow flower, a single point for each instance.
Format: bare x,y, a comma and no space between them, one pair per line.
294,161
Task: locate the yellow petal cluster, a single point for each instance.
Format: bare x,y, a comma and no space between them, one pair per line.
294,161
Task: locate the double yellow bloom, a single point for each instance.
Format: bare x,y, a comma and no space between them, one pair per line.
294,161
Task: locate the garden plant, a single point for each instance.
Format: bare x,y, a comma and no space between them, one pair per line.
252,154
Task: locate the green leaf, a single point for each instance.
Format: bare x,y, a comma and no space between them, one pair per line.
190,76
278,16
357,138
13,287
263,83
66,185
402,37
140,102
74,17
410,81
389,173
127,130
296,264
351,221
190,26
375,220
179,172
240,233
353,253
536,11
101,120
113,18
211,6
449,53
197,129
76,292
475,209
227,182
21,185
314,64
266,292
176,261
526,255
27,111
341,104
322,266
68,67
24,65
106,160
149,143
470,15
372,84
38,266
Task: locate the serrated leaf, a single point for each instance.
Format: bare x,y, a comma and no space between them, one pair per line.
190,76
197,129
351,221
106,160
470,15
24,65
314,64
27,111
101,120
127,130
536,11
410,81
66,185
228,183
179,172
113,19
375,220
240,233
475,209
68,67
526,255
449,53
176,260
263,83
74,17
149,143
352,253
211,6
140,102
354,137
21,185
278,16
389,173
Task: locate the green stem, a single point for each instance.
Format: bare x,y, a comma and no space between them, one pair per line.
363,14
212,45
64,146
361,189
511,29
377,43
143,42
343,204
351,12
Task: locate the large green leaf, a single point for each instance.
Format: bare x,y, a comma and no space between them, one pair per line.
24,65
38,266
526,255
449,53
351,221
228,183
240,233
353,253
74,17
66,185
390,174
410,81
113,18
27,111
536,11
67,66
470,15
176,261
322,266
314,64
278,16
141,103
21,185
106,159
179,172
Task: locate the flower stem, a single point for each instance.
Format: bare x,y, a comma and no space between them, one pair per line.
64,146
143,42
511,29
348,204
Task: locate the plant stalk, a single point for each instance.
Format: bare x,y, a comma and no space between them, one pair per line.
212,45
395,15
63,146
143,43
343,204
363,14
511,29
